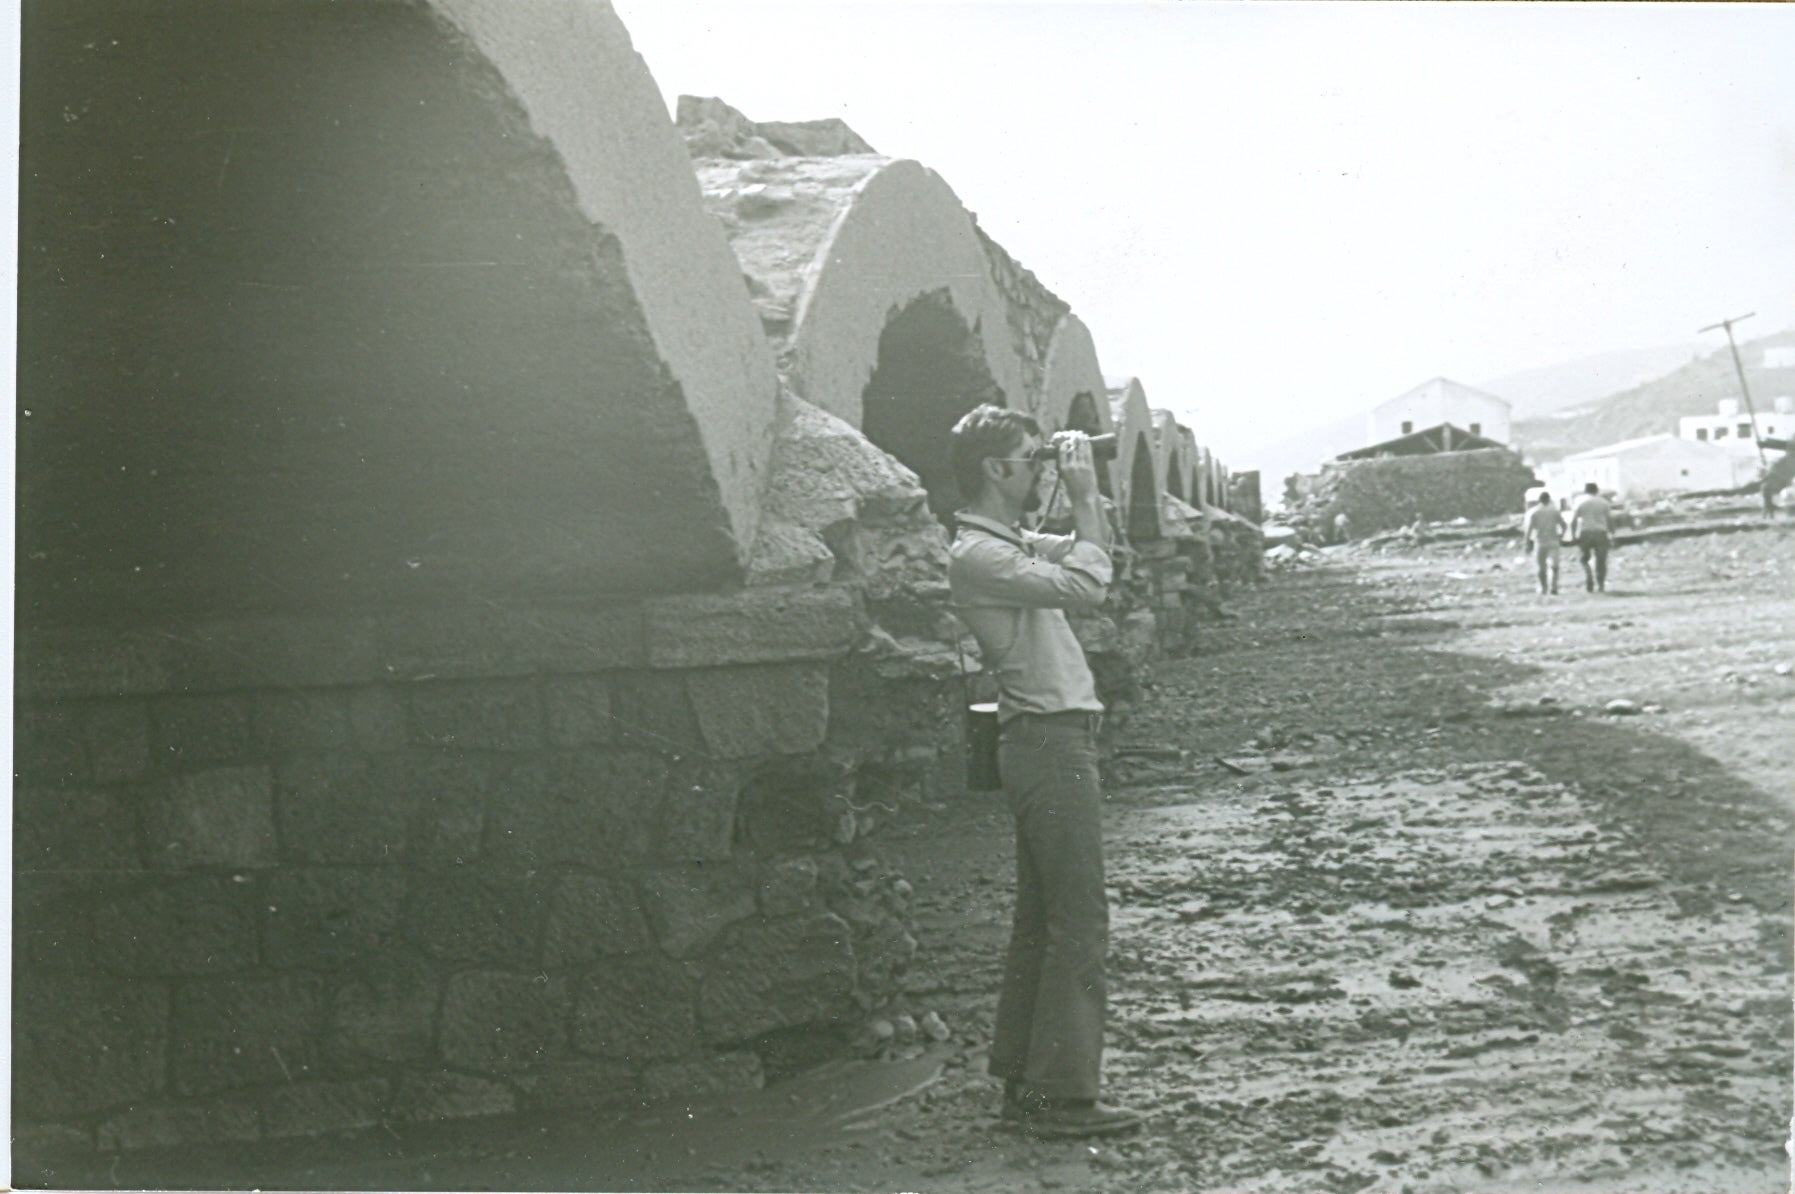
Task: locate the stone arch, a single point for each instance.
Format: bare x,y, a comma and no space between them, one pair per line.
837,249
1187,457
334,305
1073,390
930,370
1167,438
1136,468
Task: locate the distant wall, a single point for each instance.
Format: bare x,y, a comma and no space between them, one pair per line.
1389,492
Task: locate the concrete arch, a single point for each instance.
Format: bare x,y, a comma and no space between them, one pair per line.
835,249
1137,472
1073,392
1187,456
332,305
1168,441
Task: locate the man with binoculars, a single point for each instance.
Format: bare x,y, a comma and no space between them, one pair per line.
1012,587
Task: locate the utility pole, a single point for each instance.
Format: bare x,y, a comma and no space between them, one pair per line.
1743,388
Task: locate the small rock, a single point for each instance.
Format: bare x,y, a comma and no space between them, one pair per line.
1497,901
902,889
905,1027
1651,708
1783,669
882,1030
1621,708
934,1027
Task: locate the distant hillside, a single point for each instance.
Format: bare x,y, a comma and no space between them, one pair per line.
1535,392
1654,407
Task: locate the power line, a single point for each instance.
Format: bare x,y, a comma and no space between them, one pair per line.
1763,465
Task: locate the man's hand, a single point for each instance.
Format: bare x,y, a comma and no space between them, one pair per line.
1078,471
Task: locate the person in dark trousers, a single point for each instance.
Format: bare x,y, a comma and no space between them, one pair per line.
1590,531
1012,587
1545,527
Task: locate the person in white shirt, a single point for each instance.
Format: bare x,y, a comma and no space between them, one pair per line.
1012,587
1545,527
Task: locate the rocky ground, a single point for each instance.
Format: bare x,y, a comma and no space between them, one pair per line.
1399,904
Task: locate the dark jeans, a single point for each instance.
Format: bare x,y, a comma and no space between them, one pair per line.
1593,543
1049,1034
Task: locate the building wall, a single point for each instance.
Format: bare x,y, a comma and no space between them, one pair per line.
1432,404
1732,431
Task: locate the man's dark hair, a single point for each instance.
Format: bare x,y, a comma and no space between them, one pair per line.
983,432
1544,497
1591,487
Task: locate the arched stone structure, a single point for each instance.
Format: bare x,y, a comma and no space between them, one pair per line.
1136,469
329,305
1187,455
1073,394
871,280
1168,451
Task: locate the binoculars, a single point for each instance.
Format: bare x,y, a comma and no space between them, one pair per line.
1103,447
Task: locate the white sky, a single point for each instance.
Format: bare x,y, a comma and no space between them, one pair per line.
1279,214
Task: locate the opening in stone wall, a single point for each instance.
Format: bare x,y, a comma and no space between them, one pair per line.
931,370
1082,416
1175,477
1143,495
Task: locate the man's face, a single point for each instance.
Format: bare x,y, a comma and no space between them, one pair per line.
1022,475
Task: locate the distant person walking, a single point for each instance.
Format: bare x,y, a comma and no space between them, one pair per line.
1590,529
1545,528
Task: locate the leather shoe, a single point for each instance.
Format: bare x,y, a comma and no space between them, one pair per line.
1044,1116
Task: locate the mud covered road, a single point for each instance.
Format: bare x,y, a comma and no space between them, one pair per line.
1398,906
1457,928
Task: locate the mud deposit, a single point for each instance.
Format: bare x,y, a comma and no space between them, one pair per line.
1441,922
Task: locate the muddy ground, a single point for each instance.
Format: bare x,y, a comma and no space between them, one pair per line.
1440,922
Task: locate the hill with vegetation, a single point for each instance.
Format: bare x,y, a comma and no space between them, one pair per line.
1655,406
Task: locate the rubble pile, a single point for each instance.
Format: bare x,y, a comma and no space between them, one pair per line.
1395,491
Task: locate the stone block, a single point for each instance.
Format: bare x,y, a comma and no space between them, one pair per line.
74,830
589,808
118,740
385,1013
636,1008
48,746
501,640
744,712
223,817
320,918
788,555
444,1095
82,1044
495,1022
245,1032
195,730
651,711
277,652
415,805
579,710
297,721
376,718
464,914
753,626
85,661
698,812
728,1073
483,715
202,924
689,906
787,887
170,1125
577,1086
317,1108
777,974
591,917
790,806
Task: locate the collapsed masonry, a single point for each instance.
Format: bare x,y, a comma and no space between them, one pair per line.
1386,492
464,637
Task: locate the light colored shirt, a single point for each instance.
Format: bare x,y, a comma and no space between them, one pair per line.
1545,526
1590,514
1012,587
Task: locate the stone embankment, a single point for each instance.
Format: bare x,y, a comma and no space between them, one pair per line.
469,641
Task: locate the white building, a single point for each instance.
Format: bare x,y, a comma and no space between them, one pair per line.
1439,401
1730,428
1655,464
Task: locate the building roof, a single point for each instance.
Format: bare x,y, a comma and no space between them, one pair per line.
1662,444
1446,388
1443,437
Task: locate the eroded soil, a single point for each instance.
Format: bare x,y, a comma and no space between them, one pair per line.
1439,923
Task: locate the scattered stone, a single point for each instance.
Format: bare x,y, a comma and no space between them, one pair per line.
1783,669
905,1027
882,1030
1621,708
934,1027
